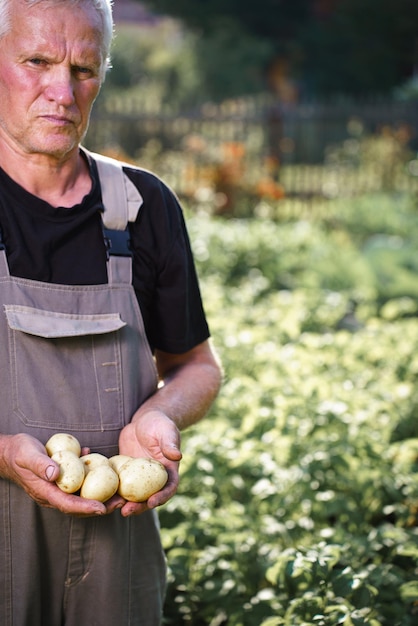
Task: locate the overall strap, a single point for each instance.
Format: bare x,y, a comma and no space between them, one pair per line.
121,201
121,198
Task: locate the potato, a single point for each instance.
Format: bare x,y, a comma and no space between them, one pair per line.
99,478
101,483
72,473
93,460
63,441
118,461
140,478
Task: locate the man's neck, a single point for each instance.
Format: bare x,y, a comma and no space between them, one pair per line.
61,183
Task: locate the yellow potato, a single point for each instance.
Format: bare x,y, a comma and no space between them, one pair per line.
140,478
100,483
118,461
63,441
72,473
93,460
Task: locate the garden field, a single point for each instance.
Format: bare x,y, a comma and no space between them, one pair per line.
298,502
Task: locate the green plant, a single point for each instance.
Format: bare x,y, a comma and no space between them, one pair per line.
298,501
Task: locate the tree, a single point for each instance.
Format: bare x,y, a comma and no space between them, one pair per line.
344,46
362,46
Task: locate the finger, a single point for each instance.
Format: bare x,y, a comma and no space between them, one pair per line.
171,451
133,508
114,503
80,506
158,499
70,503
51,473
42,467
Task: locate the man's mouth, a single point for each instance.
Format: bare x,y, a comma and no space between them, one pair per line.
58,120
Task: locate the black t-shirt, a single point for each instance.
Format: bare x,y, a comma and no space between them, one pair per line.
66,246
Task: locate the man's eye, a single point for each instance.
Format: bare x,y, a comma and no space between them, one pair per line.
82,71
36,61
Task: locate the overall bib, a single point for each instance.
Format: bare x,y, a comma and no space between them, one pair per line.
76,359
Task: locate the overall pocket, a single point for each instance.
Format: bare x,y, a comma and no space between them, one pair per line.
66,369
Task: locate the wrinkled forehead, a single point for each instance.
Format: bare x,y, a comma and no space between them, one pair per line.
102,7
99,11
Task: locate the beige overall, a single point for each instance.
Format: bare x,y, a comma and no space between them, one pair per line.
76,359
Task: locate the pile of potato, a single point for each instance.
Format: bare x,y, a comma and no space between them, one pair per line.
98,477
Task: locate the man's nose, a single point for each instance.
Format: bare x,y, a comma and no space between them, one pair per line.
60,87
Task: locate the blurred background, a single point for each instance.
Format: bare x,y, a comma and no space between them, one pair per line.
288,128
237,102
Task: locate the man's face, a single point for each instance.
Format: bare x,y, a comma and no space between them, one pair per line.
50,75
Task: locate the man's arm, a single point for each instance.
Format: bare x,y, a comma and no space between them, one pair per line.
189,384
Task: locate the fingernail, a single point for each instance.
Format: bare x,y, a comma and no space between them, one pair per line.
49,472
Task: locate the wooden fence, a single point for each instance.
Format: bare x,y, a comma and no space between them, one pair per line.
259,148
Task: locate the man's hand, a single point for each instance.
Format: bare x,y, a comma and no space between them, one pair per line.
189,383
24,460
153,435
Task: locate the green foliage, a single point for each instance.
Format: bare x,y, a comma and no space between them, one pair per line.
298,502
243,73
362,249
154,63
174,66
346,47
266,19
354,50
281,256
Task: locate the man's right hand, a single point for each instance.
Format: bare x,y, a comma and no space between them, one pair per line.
24,460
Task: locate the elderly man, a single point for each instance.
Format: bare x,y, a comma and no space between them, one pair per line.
98,340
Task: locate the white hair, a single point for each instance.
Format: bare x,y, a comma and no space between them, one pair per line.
103,7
